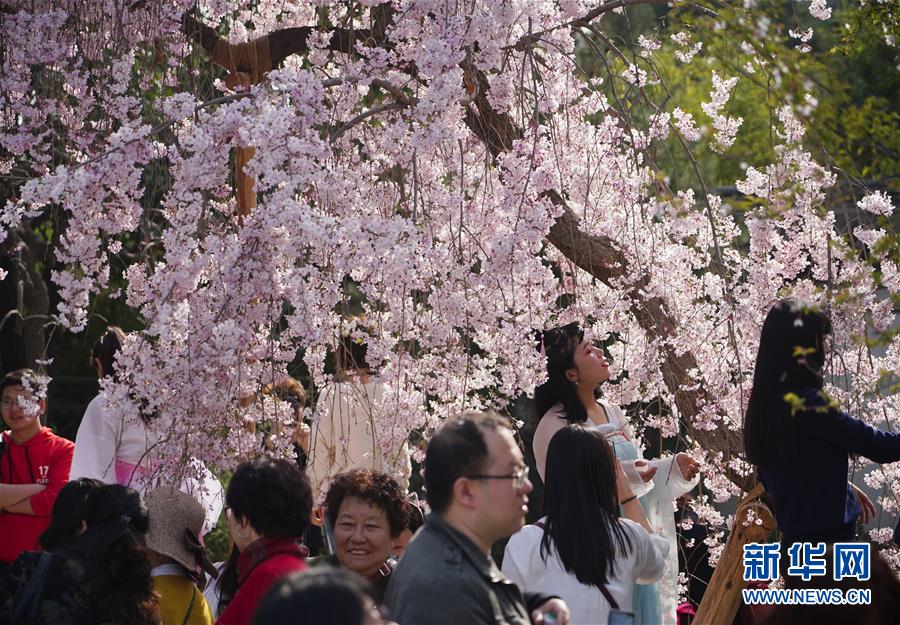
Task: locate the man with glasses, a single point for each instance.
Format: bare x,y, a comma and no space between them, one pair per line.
477,486
34,465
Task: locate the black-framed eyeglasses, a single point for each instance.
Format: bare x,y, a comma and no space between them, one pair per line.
519,477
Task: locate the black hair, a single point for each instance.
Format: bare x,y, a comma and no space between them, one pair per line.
227,582
457,449
579,492
560,344
273,494
106,348
68,513
15,378
374,487
791,356
115,557
351,355
322,596
415,516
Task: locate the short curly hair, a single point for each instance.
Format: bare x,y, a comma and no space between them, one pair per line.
374,487
273,494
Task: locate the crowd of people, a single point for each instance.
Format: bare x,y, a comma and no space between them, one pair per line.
88,537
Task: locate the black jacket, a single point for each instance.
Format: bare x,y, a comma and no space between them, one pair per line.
444,578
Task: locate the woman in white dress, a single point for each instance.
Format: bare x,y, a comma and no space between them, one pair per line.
582,550
346,434
576,368
106,447
118,450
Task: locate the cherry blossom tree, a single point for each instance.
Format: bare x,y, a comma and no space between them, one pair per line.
233,168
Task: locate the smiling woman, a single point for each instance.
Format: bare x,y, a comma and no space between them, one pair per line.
365,510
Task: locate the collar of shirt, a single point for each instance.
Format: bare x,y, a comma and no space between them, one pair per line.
168,569
463,545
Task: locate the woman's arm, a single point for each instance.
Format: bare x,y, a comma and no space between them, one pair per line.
631,507
861,438
511,567
671,475
651,561
551,423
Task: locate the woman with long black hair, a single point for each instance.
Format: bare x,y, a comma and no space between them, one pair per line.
101,576
576,368
798,437
582,550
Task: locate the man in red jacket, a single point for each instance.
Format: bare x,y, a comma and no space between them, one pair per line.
34,465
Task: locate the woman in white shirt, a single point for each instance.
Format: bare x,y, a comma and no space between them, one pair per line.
116,449
576,368
107,448
351,420
581,550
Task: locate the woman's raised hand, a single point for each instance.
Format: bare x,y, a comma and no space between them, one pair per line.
645,470
687,465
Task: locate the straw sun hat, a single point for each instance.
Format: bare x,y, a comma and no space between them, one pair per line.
176,520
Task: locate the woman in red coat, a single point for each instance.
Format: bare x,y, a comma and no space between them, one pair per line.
269,502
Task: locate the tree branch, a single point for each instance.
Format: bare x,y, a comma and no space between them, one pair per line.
598,255
256,57
530,39
602,258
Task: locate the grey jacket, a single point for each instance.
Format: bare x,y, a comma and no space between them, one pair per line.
444,579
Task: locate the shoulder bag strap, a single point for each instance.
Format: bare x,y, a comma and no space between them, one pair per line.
187,616
30,599
612,601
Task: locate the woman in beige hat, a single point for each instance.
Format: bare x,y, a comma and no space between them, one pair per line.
178,558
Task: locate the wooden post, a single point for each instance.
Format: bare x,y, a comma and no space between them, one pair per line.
246,185
723,595
254,56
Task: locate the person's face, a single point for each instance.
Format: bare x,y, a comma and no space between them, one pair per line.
591,367
401,542
503,506
362,536
242,533
20,414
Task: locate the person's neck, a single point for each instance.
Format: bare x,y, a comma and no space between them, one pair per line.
586,395
464,524
20,438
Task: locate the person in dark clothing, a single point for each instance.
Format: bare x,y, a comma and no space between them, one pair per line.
799,439
323,596
101,576
477,487
693,557
882,610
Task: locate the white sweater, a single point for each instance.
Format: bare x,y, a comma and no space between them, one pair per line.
104,438
351,421
644,564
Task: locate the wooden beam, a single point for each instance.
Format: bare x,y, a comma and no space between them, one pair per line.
722,598
246,185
